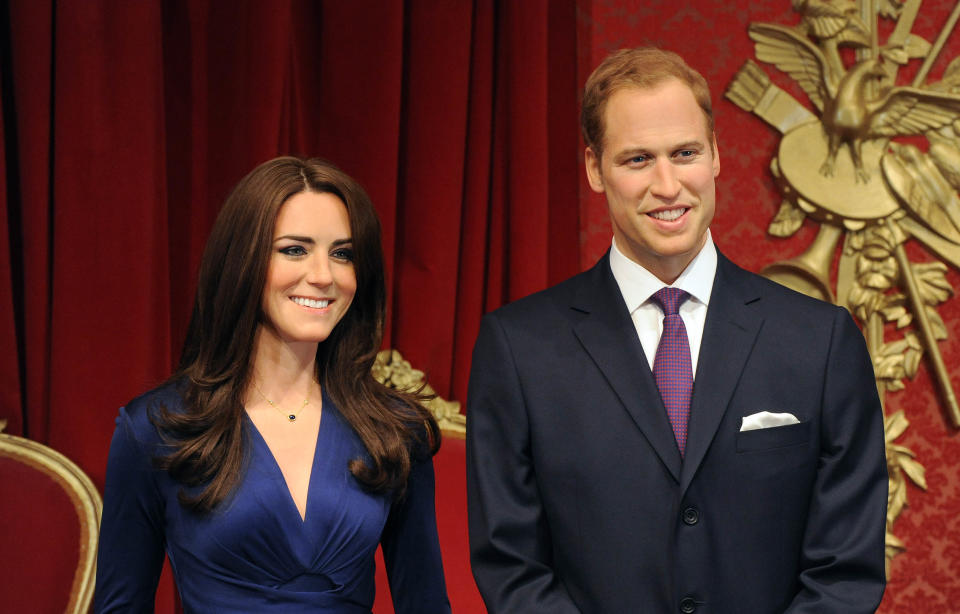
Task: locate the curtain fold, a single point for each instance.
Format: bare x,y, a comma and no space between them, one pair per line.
27,140
511,227
436,92
109,322
10,370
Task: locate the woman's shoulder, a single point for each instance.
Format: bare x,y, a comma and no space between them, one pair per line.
141,412
169,395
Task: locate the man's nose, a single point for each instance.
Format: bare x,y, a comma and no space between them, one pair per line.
666,181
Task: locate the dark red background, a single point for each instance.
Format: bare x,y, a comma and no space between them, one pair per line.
124,125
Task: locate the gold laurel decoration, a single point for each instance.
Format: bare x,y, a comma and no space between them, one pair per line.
839,166
900,463
391,370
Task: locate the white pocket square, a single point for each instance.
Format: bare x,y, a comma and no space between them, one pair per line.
766,419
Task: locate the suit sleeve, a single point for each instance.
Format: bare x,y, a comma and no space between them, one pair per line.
843,549
510,547
411,548
131,550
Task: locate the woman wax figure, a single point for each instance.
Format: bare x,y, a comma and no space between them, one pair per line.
271,464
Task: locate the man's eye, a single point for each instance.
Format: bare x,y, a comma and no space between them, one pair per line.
293,250
637,160
687,153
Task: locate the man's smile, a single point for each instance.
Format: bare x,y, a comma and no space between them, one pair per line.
668,215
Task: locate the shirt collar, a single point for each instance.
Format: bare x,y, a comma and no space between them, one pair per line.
637,284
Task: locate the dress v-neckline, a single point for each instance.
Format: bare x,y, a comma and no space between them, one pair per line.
279,471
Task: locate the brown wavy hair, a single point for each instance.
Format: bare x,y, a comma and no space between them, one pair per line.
641,68
206,438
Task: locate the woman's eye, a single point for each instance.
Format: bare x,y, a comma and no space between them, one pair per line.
343,253
293,250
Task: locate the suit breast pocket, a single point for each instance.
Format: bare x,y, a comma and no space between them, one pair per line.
772,438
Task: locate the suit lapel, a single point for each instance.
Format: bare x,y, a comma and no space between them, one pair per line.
608,335
728,336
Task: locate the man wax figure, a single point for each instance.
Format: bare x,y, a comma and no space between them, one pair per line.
598,481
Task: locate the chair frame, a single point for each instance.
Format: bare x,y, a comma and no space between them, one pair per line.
86,502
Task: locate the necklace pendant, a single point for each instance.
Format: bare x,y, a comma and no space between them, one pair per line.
292,417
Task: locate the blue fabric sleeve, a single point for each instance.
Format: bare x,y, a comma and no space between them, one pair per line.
131,551
411,548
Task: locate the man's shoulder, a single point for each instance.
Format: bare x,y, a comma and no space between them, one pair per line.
554,300
776,298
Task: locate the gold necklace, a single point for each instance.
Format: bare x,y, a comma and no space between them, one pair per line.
290,417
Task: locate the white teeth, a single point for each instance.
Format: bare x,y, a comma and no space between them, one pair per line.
309,302
667,215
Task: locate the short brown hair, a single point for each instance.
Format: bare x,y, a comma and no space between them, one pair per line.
643,68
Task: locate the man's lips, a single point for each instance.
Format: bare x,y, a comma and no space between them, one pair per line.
668,215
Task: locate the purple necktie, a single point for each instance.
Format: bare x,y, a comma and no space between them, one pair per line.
671,366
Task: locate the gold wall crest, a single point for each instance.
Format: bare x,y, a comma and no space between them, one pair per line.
840,166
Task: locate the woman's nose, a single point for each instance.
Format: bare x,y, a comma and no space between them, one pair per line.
319,273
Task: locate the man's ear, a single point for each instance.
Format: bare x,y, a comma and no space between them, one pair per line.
716,157
594,174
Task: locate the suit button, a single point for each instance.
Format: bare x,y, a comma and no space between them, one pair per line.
691,517
688,605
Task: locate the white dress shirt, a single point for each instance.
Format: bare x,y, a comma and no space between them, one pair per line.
637,285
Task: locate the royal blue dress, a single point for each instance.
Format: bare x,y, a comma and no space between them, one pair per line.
254,553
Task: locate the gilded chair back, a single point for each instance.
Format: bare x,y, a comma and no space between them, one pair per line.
49,525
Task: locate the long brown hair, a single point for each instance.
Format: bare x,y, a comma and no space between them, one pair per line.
207,436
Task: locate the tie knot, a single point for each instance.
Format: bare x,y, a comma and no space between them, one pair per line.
669,299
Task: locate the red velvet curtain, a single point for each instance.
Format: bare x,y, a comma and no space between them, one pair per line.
126,123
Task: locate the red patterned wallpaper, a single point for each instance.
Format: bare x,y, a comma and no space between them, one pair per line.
712,36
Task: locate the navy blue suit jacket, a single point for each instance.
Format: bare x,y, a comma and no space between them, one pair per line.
579,500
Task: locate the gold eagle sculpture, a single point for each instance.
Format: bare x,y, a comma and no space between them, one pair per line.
849,111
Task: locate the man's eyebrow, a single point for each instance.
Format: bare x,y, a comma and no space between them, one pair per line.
632,151
695,144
